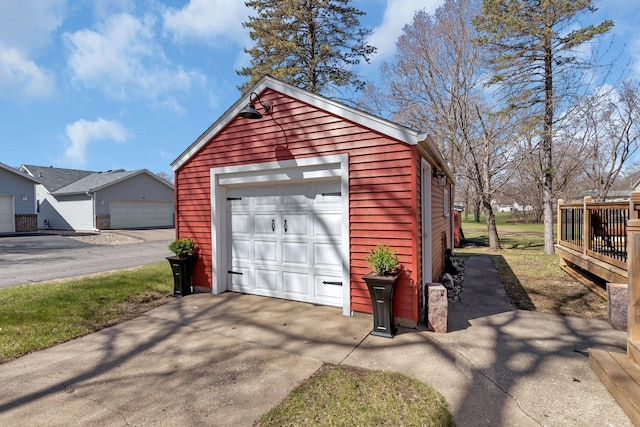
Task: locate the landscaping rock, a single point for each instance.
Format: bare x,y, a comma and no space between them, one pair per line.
437,308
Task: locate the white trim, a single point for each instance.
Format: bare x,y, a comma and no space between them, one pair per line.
287,171
427,250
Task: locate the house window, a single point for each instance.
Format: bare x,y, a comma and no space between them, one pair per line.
37,206
446,202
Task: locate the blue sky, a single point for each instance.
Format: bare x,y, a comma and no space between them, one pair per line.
109,84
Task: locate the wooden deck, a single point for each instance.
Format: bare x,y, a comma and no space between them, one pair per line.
603,240
592,237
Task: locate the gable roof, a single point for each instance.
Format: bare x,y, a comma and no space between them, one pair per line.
55,178
18,172
59,181
386,127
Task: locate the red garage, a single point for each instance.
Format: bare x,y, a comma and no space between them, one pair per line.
289,202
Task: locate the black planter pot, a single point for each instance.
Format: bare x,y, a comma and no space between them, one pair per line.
182,267
381,290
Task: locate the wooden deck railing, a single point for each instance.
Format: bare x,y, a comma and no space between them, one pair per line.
593,235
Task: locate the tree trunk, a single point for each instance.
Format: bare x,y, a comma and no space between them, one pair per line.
494,240
547,158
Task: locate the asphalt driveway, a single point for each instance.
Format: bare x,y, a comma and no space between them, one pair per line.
43,257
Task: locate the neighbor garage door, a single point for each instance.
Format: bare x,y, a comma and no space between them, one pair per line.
7,217
285,242
139,214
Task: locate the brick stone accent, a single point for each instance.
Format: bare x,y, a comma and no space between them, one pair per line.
26,222
103,222
618,302
437,308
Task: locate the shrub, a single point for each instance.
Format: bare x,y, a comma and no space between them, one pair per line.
383,261
182,247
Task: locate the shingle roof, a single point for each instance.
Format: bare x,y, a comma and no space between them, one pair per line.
55,178
95,181
60,181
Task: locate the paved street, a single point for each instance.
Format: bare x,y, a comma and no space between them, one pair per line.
38,258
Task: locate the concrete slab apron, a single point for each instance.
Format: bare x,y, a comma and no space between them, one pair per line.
150,371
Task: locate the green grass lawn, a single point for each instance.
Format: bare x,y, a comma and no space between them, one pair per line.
534,281
343,396
41,315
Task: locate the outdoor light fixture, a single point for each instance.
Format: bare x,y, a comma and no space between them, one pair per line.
440,176
250,112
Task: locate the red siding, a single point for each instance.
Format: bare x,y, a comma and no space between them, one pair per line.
382,187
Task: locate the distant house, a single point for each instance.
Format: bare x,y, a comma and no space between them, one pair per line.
71,199
17,201
290,206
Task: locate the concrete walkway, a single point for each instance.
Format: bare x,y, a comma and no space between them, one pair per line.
225,360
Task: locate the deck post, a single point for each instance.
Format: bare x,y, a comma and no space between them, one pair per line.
559,219
633,262
586,218
634,201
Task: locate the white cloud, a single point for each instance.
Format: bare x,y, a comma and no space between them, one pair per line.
122,58
22,78
397,14
26,27
82,133
28,24
208,20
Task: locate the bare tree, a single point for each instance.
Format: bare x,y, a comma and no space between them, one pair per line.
609,122
166,177
436,81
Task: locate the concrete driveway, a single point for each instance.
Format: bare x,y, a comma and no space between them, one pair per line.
224,360
39,257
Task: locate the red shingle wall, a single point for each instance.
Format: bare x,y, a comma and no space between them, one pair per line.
382,186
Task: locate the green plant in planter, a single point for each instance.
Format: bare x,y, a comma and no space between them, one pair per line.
383,261
182,247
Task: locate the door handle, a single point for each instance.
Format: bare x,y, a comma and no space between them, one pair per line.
285,225
273,225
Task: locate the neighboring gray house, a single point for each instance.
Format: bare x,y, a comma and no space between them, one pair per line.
17,200
71,199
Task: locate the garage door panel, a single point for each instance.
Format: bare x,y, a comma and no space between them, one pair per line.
295,225
327,225
327,255
242,250
241,278
266,280
241,224
265,224
294,237
266,201
328,289
295,285
295,254
295,200
266,251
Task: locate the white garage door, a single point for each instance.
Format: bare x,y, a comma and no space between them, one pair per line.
139,214
7,217
285,242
